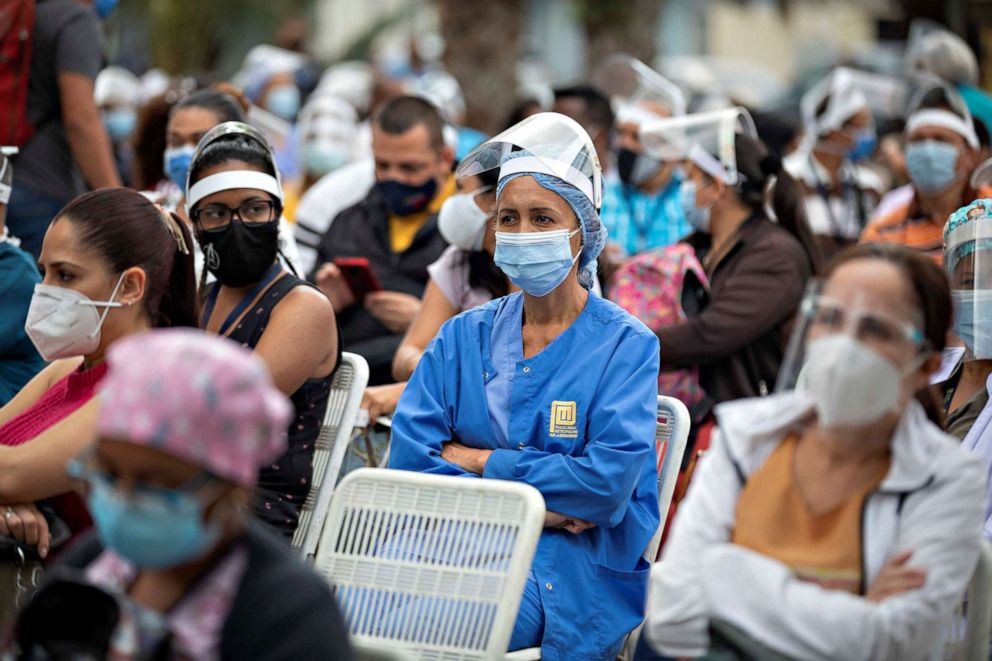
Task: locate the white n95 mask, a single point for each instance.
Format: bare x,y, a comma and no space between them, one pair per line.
461,222
62,322
851,385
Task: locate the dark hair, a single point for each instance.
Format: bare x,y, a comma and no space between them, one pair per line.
128,230
218,101
232,147
401,114
758,168
149,141
932,292
596,105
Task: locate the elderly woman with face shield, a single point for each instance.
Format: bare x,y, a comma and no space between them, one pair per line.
554,387
834,519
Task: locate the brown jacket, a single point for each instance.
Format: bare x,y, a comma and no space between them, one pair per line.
735,332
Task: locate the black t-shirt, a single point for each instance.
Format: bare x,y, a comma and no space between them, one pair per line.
66,38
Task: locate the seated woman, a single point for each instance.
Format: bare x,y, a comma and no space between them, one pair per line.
552,387
463,277
835,521
968,377
113,264
186,422
235,199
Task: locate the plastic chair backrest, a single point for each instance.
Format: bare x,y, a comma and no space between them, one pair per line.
967,634
431,565
335,434
671,434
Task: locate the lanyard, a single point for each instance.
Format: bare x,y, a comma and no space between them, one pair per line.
642,226
208,309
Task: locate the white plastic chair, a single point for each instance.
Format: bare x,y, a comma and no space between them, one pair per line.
671,434
430,565
967,634
332,443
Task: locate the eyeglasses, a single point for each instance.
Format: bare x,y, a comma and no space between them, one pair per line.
828,315
252,212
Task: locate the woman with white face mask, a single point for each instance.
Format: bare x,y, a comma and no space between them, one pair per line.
836,520
464,277
113,264
554,387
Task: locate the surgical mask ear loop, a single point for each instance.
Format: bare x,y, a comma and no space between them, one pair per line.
106,305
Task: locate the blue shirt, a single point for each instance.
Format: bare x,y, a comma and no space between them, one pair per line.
19,360
638,221
580,429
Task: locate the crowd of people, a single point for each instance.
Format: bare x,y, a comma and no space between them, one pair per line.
182,266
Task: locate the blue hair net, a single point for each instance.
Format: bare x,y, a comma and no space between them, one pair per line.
593,231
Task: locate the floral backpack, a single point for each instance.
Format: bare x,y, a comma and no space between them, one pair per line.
649,286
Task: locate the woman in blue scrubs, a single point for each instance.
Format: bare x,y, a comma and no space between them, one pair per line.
552,386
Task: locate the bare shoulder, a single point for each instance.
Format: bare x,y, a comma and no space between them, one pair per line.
308,302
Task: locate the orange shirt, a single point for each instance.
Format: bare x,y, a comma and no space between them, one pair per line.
772,518
909,227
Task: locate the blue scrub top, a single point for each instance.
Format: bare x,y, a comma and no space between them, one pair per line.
580,429
19,360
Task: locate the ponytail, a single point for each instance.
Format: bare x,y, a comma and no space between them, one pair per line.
179,305
762,171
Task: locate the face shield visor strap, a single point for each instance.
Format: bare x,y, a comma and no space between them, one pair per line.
562,171
943,119
230,180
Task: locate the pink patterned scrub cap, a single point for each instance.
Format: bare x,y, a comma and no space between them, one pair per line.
198,397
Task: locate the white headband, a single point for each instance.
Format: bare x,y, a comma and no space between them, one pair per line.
629,113
230,180
534,164
944,119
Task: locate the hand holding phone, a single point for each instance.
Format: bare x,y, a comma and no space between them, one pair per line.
359,276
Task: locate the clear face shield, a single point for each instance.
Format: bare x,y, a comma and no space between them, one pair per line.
639,93
234,178
556,145
935,103
968,261
846,92
708,140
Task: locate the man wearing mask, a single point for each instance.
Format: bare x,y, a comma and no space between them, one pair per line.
839,136
68,150
394,228
942,150
641,196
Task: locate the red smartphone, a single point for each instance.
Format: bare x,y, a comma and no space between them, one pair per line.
359,276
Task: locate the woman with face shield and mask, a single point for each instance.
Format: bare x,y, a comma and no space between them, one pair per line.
835,519
554,387
235,198
113,265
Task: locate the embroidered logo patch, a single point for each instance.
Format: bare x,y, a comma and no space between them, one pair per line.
563,420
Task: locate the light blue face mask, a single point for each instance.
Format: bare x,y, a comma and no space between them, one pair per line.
537,262
931,165
865,141
319,158
973,320
696,216
120,124
153,528
177,162
284,101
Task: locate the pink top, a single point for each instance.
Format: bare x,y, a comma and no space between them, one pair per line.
58,403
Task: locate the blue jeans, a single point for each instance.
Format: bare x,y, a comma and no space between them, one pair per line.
528,630
28,215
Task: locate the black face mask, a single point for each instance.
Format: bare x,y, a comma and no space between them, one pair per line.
634,169
239,255
403,199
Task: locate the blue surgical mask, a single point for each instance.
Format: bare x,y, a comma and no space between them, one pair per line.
177,162
865,141
284,101
698,217
931,165
973,320
104,8
319,158
120,124
537,262
403,199
153,528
